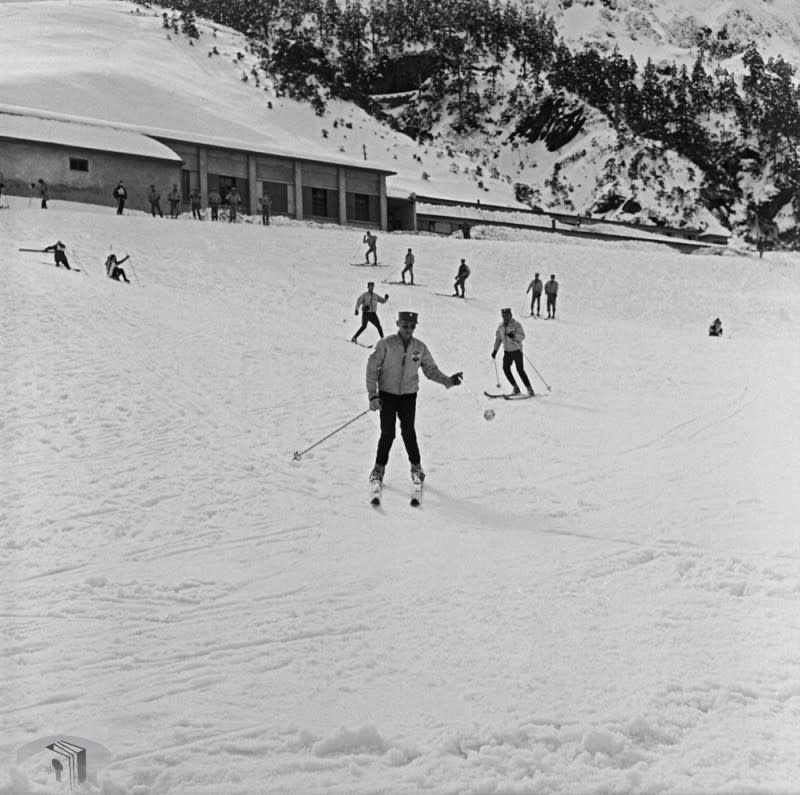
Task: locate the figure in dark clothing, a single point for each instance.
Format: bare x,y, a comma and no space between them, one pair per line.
715,329
196,203
174,199
154,197
43,194
372,247
461,277
113,271
234,200
266,207
214,201
120,194
59,254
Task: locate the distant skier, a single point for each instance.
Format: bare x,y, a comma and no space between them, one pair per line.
535,289
715,329
113,270
196,203
120,194
2,184
234,200
372,246
214,201
551,291
43,193
392,385
462,275
174,199
409,267
154,197
59,254
510,335
265,202
368,303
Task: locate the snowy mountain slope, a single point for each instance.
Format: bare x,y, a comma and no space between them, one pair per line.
598,594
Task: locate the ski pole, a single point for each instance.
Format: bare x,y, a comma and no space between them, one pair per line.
300,453
496,374
134,271
538,373
36,250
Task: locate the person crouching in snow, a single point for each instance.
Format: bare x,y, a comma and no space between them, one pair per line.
715,329
113,271
59,254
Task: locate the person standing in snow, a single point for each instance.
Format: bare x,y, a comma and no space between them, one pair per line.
715,329
510,335
535,289
2,184
154,197
174,199
234,200
392,385
368,303
551,291
214,201
43,194
461,277
265,202
409,267
372,246
59,254
113,271
196,203
120,194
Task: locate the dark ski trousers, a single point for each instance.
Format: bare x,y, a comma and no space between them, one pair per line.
61,259
515,357
551,305
536,301
120,206
155,207
369,317
393,407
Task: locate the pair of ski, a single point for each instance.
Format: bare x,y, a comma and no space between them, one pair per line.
376,488
509,396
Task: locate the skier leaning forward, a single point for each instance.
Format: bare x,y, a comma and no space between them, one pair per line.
510,335
392,384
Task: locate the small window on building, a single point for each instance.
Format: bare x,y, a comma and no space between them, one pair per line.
361,207
319,202
78,164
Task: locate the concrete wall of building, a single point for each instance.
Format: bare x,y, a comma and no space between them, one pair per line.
23,163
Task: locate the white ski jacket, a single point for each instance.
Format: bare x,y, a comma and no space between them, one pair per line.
392,367
509,343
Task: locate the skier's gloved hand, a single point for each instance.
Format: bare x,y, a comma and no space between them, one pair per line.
375,403
456,378
511,335
386,296
494,354
356,313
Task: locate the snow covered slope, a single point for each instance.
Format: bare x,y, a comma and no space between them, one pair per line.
599,593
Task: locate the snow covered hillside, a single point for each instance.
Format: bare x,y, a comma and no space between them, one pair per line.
113,61
599,593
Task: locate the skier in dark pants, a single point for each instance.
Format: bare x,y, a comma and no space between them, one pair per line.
59,254
551,291
535,289
461,277
174,199
266,207
392,384
510,335
43,193
368,301
196,203
214,201
120,194
154,197
113,271
372,247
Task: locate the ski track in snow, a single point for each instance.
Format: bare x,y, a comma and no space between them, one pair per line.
598,593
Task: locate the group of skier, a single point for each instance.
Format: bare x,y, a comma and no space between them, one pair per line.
392,379
111,265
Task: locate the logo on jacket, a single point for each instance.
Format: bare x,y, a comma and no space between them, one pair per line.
416,356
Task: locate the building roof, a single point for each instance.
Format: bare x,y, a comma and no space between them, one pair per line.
197,138
31,127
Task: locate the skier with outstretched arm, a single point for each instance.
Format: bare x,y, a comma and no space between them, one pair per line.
392,384
510,335
368,302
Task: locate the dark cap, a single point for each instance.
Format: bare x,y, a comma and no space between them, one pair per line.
370,284
408,317
506,311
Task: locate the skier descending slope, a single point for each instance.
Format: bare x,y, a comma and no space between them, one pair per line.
392,384
510,335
